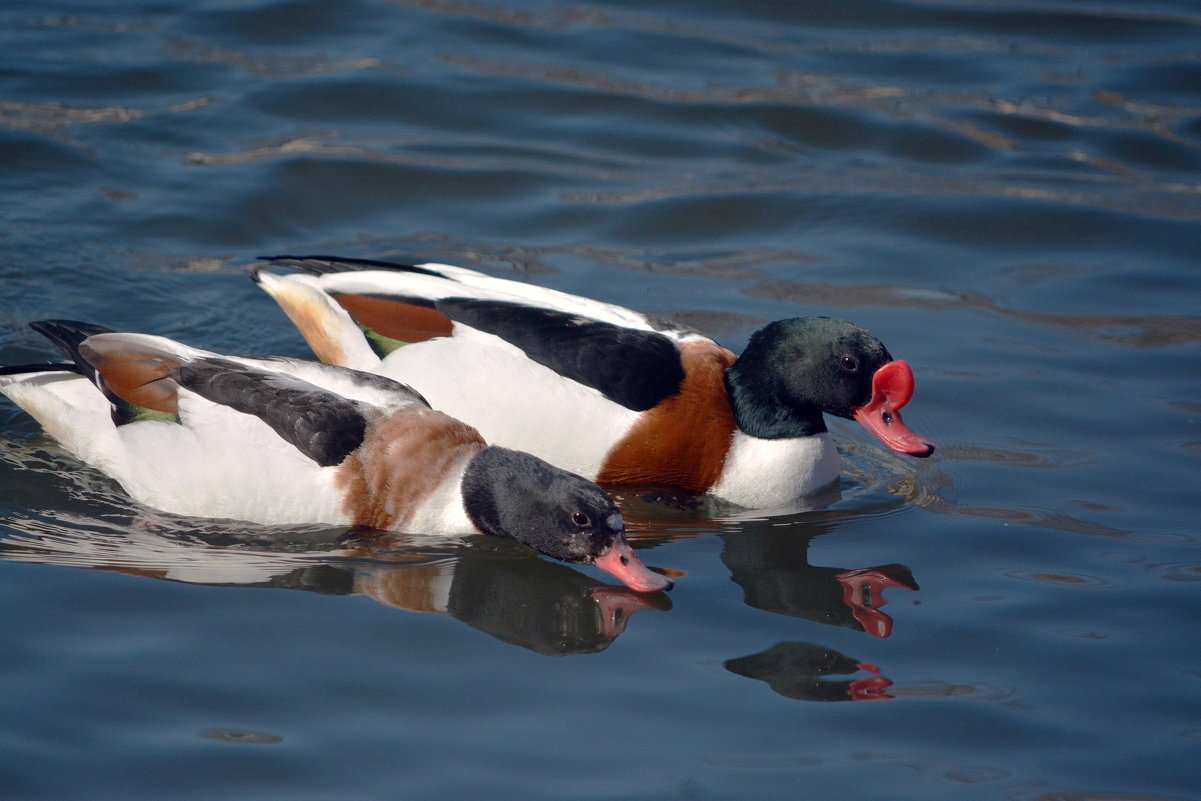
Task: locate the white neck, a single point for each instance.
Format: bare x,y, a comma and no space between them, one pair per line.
443,512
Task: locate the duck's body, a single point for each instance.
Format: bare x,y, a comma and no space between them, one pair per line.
612,394
280,441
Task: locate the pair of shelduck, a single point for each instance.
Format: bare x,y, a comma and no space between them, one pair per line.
424,367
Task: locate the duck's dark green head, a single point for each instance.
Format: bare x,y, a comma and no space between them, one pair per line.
793,371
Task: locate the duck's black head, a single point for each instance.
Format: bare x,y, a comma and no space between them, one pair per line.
793,371
513,494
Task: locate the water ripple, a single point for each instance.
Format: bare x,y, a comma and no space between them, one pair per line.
241,737
1142,331
1063,579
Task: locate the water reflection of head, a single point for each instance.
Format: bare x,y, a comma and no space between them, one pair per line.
772,567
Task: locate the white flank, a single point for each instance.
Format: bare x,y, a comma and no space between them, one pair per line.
219,463
222,463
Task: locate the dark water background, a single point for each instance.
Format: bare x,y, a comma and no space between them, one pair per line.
1007,192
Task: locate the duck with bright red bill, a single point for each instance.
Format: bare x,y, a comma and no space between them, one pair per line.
618,396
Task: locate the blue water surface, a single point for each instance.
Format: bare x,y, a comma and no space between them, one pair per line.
1007,193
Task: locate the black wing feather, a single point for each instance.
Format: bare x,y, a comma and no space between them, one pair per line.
66,335
636,369
322,425
47,367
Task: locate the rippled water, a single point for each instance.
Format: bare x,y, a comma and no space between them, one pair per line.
1008,193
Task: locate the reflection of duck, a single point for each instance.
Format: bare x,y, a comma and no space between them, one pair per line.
539,605
772,567
604,391
285,441
796,670
494,586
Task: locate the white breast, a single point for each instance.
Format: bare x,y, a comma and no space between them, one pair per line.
764,473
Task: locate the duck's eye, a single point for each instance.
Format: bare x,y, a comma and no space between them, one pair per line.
849,363
580,519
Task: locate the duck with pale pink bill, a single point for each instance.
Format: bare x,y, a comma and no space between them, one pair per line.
618,396
285,441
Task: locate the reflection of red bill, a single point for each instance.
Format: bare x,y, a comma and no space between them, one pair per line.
621,563
615,607
871,689
863,592
892,387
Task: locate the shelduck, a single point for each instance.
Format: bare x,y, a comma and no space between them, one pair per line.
615,395
284,441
